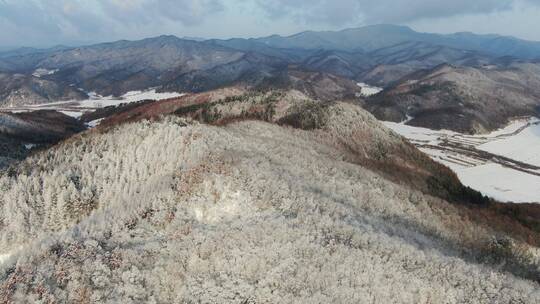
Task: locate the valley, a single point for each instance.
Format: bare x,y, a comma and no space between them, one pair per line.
76,108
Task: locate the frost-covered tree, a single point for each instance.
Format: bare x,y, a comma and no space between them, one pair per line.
179,212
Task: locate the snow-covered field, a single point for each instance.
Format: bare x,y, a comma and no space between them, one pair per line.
368,90
97,101
76,108
504,164
43,72
524,146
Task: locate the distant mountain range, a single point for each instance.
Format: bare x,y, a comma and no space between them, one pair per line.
370,38
381,55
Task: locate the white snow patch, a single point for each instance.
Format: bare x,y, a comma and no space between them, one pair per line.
74,114
417,133
407,119
4,257
368,90
150,94
98,101
94,123
43,72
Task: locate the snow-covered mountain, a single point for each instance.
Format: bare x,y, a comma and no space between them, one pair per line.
171,170
248,197
463,99
378,55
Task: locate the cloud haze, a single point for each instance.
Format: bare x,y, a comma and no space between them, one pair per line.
48,22
381,11
91,20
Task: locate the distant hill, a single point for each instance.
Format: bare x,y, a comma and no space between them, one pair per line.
380,55
464,99
375,37
118,67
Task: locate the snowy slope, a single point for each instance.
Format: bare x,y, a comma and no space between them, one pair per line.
177,212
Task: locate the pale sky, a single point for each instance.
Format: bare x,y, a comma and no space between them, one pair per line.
50,22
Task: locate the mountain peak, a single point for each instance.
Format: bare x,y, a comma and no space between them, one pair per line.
167,38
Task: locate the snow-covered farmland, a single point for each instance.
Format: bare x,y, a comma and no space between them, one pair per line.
524,146
504,164
76,108
98,101
43,72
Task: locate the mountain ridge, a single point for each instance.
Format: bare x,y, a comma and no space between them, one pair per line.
462,99
232,200
487,42
379,55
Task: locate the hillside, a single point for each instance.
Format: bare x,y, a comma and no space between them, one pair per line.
254,197
463,99
20,133
18,89
119,67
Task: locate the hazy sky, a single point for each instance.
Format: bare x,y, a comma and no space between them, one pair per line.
51,22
